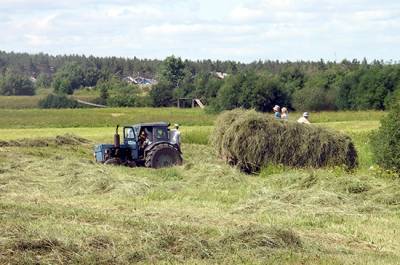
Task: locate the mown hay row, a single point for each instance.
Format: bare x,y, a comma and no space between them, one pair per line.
66,139
252,140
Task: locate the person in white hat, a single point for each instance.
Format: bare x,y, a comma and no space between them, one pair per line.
304,118
277,112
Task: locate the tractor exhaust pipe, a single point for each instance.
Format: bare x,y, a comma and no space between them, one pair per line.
117,140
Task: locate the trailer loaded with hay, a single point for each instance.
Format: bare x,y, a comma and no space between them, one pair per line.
252,140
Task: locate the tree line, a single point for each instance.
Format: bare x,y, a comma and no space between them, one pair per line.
301,85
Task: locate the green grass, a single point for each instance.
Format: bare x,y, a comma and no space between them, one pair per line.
19,102
31,102
191,134
64,118
59,207
341,116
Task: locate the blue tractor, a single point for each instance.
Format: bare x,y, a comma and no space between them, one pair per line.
145,144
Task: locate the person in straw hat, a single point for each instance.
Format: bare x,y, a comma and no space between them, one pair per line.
304,118
277,113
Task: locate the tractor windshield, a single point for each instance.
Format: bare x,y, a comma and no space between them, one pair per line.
129,133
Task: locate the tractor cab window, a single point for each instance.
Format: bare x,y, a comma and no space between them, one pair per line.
129,133
161,134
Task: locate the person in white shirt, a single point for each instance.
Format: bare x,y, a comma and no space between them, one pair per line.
175,136
304,119
284,114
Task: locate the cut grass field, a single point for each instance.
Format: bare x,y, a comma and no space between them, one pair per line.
58,207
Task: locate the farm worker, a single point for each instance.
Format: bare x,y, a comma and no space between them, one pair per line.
176,135
143,140
304,119
277,113
284,114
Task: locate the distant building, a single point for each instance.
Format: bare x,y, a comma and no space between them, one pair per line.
129,79
139,80
220,75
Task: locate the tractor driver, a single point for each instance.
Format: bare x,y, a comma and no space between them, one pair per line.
143,140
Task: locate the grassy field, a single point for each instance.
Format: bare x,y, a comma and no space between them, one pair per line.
64,118
58,207
31,102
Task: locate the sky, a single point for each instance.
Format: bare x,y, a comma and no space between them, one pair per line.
226,30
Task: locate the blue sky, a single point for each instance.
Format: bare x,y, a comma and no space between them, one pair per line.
227,30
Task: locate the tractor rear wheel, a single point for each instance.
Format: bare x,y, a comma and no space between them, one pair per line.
163,155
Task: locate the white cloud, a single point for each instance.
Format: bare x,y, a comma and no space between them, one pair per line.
37,40
227,29
244,13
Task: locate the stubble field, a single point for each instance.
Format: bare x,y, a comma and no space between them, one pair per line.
59,207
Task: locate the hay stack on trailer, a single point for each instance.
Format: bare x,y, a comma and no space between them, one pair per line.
253,140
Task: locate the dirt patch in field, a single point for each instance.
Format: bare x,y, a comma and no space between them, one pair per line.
66,139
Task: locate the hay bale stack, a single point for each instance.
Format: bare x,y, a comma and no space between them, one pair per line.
223,121
252,140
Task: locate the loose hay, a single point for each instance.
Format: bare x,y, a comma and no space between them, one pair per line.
66,139
253,140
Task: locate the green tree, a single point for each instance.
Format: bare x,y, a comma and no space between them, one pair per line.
319,92
103,95
229,94
268,92
68,78
386,141
172,82
43,80
126,96
250,90
161,94
16,84
114,92
172,71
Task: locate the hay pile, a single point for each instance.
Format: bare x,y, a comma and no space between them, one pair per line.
252,140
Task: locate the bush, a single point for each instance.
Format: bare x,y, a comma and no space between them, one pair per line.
386,141
57,102
162,94
15,84
253,140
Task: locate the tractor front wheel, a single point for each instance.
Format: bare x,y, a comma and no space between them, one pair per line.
112,161
163,155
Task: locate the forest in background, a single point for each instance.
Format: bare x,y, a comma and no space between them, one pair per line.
301,85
